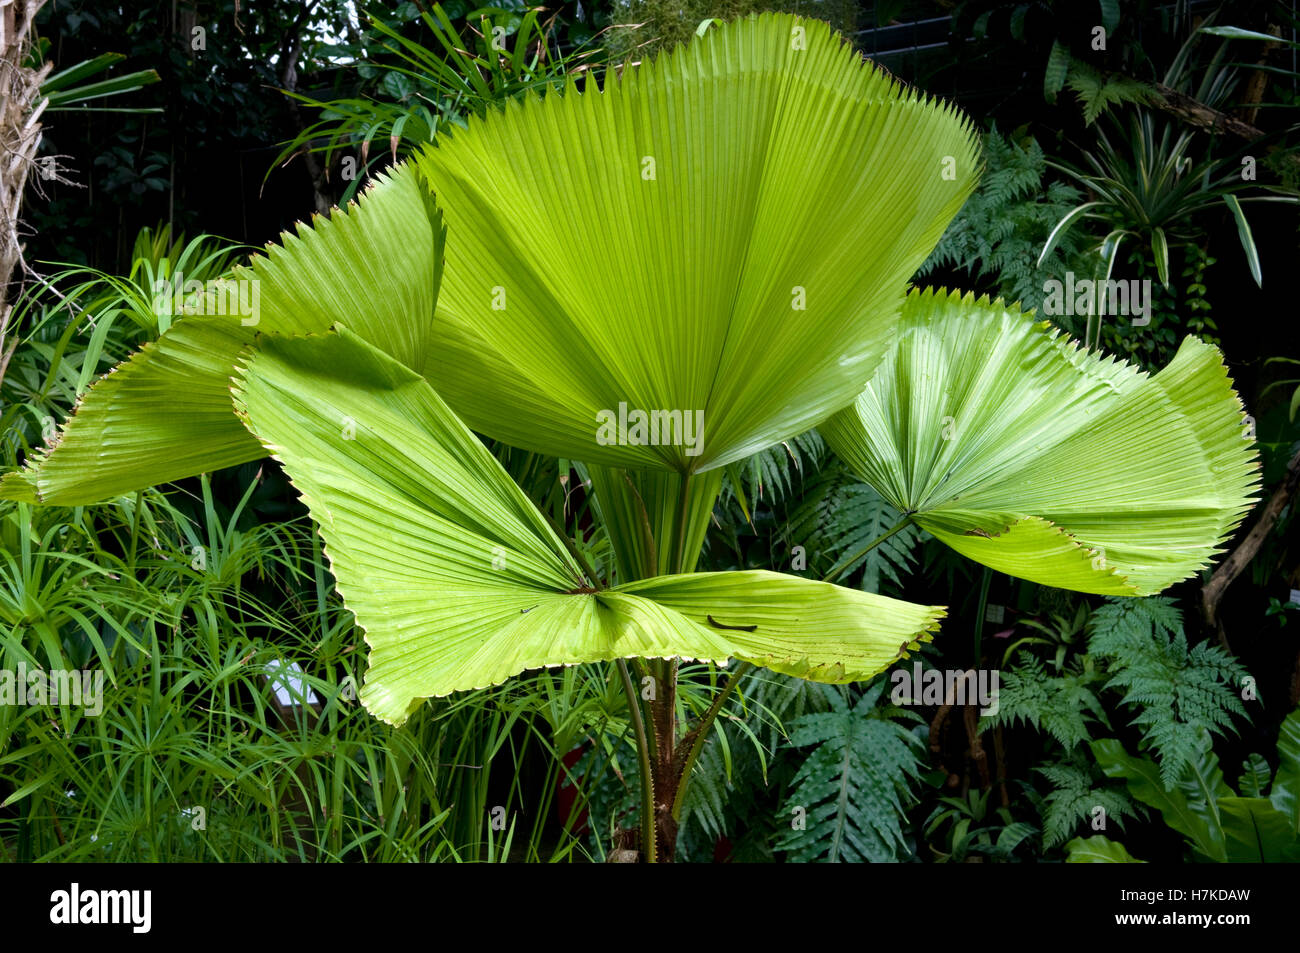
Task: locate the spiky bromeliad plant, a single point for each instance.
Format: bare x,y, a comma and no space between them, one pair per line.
720,238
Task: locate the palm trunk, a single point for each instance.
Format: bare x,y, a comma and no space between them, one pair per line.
665,767
20,135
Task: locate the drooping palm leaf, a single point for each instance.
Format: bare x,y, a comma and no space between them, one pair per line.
1047,462
648,244
458,581
162,414
165,413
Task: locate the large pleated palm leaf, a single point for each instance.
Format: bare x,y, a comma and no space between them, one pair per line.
786,171
1047,462
460,583
165,413
726,231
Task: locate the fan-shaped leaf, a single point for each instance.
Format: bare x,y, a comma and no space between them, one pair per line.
165,413
1046,462
458,581
724,234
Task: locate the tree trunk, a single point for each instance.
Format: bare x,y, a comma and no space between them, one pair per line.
1240,557
290,53
665,767
20,135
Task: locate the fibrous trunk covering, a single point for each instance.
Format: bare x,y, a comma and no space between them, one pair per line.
20,134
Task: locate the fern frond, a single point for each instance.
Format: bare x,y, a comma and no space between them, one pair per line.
1178,691
1076,795
851,793
775,474
705,804
1097,92
1057,704
840,516
999,232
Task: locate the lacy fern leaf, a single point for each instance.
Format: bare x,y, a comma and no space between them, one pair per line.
839,516
1075,797
1001,229
1097,91
1178,690
774,474
1057,704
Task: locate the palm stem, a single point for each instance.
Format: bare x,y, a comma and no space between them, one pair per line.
844,564
694,741
979,613
648,848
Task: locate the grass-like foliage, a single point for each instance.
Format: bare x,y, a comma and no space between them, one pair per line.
188,758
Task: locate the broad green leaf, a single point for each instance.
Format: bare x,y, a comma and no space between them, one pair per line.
165,413
1256,832
458,582
723,234
1098,850
1285,793
801,627
1202,784
1046,462
1143,779
161,415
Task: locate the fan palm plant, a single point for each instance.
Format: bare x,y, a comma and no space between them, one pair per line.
658,278
1044,461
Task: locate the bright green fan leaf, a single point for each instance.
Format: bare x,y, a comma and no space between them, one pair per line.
374,269
1046,462
801,627
165,413
161,415
457,580
721,238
